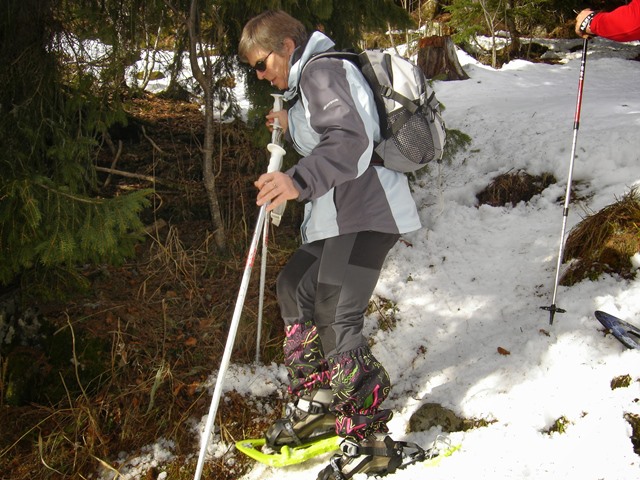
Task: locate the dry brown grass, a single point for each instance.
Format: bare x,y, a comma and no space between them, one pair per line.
603,242
513,188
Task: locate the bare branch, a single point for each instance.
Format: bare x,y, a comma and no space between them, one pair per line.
147,178
113,164
154,144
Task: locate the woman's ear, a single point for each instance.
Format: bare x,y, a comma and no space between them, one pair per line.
289,45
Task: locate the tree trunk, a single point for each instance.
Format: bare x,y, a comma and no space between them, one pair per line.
437,58
205,79
514,46
175,90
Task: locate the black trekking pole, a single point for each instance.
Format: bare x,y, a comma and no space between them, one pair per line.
576,125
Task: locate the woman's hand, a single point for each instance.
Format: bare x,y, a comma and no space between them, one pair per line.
276,188
282,117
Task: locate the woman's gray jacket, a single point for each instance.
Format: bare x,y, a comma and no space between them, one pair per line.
333,125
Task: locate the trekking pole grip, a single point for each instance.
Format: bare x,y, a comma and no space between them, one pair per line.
277,106
275,147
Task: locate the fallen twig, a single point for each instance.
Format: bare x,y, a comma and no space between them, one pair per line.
148,178
113,164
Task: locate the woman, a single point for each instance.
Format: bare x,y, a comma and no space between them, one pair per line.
354,214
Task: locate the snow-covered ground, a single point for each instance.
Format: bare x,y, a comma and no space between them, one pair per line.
474,279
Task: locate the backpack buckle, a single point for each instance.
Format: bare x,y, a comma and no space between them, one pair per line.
386,91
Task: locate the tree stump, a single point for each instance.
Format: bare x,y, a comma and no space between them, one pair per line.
437,58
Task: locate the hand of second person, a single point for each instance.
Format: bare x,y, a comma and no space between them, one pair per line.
579,19
276,188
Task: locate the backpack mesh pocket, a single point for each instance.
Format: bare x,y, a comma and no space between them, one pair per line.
414,139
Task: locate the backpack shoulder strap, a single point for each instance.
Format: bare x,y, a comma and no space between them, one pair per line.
353,57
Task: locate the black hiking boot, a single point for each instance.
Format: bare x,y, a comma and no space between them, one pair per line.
306,420
376,455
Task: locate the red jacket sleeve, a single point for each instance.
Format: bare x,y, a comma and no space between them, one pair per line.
621,25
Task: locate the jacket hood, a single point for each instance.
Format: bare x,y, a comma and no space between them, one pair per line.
318,43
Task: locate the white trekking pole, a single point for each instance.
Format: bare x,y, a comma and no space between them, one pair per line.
275,163
276,142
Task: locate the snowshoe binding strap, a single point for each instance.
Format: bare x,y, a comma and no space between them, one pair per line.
379,457
289,431
309,406
383,448
282,426
401,453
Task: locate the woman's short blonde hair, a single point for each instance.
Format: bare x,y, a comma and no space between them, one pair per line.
269,30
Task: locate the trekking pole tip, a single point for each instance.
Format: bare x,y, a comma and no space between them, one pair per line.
552,309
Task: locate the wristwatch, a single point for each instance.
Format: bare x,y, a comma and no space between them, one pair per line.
586,22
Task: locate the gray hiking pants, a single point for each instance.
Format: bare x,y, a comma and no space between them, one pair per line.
330,283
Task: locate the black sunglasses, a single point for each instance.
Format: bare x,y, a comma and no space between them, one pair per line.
261,65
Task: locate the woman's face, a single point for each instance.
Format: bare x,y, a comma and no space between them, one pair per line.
271,66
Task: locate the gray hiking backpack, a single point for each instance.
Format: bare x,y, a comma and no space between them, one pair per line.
413,131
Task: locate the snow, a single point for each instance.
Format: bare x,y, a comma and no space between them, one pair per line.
474,278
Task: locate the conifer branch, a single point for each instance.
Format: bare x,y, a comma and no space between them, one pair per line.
91,201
